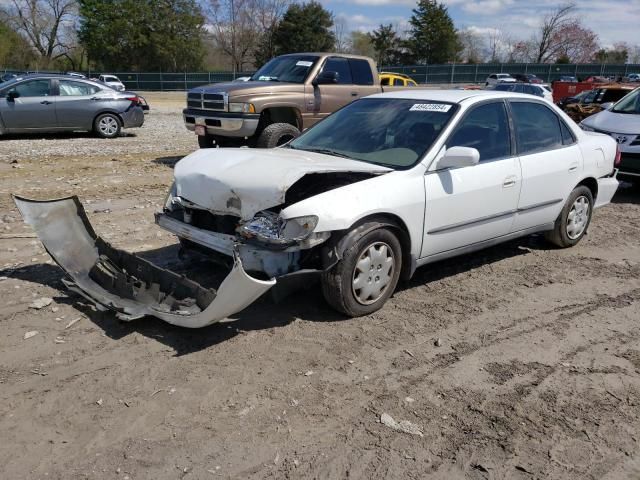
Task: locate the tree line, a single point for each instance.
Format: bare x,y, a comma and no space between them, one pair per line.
241,35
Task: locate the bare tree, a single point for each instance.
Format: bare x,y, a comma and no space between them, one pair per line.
546,40
42,23
341,33
495,44
471,45
239,26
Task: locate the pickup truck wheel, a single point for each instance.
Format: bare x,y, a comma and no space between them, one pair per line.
277,134
366,276
573,221
107,125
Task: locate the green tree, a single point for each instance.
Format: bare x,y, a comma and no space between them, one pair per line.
361,44
432,37
387,45
142,34
15,52
304,28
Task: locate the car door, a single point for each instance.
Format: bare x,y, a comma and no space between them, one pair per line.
471,204
29,105
355,79
550,160
77,104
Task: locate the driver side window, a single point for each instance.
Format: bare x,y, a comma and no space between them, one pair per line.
485,128
31,88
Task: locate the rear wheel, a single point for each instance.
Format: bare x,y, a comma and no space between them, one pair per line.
573,221
107,125
277,134
366,276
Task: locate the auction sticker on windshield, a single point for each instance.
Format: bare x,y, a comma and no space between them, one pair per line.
430,107
303,63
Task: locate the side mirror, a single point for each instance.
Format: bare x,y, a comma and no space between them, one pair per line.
606,105
326,78
456,157
12,95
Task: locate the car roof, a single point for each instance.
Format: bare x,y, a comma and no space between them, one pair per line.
452,96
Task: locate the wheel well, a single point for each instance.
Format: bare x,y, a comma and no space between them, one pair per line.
397,225
281,115
591,184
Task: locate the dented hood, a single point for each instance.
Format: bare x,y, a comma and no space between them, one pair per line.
245,181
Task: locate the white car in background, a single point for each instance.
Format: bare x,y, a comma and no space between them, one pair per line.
381,187
622,122
112,81
496,78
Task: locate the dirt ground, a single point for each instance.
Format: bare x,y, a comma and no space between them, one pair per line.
536,375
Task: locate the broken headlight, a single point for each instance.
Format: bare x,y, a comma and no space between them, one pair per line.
169,199
268,227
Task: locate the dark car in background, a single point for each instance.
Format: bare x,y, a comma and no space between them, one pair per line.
526,78
55,103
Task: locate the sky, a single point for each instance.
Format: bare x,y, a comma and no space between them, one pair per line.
612,20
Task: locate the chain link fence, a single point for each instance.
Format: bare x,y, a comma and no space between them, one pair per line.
477,73
423,74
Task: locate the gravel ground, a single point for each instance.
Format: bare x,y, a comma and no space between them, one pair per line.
518,362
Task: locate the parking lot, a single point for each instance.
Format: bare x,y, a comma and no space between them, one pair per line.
520,361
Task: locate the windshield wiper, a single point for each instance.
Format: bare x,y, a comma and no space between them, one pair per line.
326,151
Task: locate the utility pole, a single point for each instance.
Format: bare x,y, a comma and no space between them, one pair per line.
233,37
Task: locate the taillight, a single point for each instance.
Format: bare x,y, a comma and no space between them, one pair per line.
133,99
618,158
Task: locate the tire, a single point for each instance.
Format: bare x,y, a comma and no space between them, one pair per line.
574,219
277,134
107,125
339,284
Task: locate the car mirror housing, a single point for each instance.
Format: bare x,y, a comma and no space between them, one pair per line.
607,105
326,78
456,157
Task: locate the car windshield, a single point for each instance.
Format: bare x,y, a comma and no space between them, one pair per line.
503,75
289,69
629,104
385,131
109,78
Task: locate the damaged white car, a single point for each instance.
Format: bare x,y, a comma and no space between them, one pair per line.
387,184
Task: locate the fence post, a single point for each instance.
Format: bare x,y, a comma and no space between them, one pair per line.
209,74
161,85
526,68
549,74
185,81
426,74
575,72
475,76
453,70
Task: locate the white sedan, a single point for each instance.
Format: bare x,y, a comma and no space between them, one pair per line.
385,185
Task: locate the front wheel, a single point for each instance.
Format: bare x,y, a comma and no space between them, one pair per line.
277,134
573,221
366,276
107,125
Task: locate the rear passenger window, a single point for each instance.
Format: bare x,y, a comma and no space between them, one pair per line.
361,72
486,129
567,135
340,65
537,127
385,81
398,82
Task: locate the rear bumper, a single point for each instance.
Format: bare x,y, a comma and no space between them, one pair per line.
607,187
222,124
128,285
133,117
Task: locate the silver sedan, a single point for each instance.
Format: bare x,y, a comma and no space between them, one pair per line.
56,103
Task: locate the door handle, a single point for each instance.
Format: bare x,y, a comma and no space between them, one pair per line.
573,167
46,102
354,94
95,99
509,182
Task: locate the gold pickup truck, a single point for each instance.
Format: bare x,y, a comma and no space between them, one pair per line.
285,96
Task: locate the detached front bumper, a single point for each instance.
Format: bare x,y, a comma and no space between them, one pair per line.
126,284
224,124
